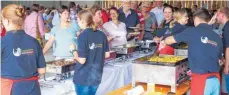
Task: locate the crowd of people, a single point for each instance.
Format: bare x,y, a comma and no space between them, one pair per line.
87,36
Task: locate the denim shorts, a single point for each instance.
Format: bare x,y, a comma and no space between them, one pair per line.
227,82
85,90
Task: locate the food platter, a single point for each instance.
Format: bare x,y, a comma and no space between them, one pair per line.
60,66
60,62
168,60
125,49
134,27
134,33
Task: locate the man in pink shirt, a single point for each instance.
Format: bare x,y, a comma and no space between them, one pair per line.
31,22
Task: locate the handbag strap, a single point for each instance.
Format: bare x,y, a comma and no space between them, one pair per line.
38,34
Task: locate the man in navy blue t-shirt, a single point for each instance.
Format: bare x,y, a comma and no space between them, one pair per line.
204,52
223,18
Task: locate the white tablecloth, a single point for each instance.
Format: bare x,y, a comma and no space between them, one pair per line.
57,88
115,75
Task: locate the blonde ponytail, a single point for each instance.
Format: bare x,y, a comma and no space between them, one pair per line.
177,15
93,26
15,13
171,25
20,12
88,18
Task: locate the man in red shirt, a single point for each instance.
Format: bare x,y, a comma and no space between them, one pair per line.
134,6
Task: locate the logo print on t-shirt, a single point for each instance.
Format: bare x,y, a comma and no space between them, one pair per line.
92,46
205,40
17,52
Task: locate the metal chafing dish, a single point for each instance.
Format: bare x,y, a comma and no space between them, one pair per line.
125,49
182,50
147,44
61,68
164,73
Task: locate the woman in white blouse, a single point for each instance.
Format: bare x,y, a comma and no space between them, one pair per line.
116,29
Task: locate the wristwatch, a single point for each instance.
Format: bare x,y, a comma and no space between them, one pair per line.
74,50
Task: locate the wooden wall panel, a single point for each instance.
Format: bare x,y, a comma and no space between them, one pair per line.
211,4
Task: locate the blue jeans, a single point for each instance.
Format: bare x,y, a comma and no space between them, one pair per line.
227,82
212,86
85,90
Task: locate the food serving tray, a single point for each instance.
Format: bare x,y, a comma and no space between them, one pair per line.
60,66
124,49
181,52
145,60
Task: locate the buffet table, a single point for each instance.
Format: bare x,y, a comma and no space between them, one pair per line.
51,87
116,74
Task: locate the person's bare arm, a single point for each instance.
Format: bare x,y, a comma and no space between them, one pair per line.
170,40
226,69
107,54
138,26
48,44
75,54
213,20
109,38
41,71
78,59
156,39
